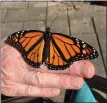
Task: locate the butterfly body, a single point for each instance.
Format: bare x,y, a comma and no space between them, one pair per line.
46,36
57,51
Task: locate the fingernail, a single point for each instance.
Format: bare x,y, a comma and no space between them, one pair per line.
89,72
87,69
55,91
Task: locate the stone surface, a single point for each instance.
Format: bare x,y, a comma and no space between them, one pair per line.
81,26
37,4
87,11
9,28
101,31
100,23
104,49
14,5
25,14
56,9
3,14
59,26
34,25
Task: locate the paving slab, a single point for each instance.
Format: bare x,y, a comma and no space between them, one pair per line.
37,4
13,5
59,26
6,0
100,23
34,25
3,14
87,11
9,28
98,63
25,14
81,26
104,49
56,9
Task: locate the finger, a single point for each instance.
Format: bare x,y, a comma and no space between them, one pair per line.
53,80
83,68
28,90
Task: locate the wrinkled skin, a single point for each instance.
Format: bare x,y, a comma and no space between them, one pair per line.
20,79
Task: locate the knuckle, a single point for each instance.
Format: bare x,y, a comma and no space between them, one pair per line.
45,92
10,78
34,78
62,82
39,77
8,91
7,82
28,91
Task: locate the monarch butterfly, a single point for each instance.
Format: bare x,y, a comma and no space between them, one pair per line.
57,51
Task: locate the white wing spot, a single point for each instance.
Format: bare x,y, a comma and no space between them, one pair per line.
93,53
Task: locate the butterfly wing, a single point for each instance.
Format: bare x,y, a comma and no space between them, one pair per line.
30,44
64,50
55,61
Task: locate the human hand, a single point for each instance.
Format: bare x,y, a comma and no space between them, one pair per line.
20,79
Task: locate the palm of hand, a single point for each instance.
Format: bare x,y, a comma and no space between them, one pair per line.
19,79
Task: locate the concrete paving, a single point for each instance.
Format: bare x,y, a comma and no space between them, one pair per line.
17,16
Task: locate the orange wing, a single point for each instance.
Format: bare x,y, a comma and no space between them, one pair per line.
54,60
64,50
30,44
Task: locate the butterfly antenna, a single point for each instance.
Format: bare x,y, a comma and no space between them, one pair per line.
41,19
46,15
53,21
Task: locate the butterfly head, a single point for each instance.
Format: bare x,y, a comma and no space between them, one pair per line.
48,29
